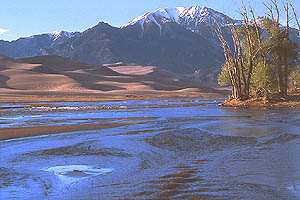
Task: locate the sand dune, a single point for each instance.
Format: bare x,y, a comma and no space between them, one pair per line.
54,78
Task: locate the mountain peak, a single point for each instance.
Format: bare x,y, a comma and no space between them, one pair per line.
59,34
193,12
191,17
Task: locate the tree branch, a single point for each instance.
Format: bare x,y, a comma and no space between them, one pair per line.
270,8
275,4
296,19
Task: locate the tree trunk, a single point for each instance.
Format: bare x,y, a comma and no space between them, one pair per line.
285,78
244,80
286,62
280,80
249,78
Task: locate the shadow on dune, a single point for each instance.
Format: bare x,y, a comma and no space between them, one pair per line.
3,81
57,75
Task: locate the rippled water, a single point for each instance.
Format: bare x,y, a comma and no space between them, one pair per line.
179,149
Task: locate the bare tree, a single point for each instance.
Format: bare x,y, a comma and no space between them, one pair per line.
249,39
236,61
298,24
232,63
273,6
295,17
286,64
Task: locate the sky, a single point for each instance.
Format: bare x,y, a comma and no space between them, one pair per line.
23,18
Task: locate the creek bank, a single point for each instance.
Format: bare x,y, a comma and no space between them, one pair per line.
290,102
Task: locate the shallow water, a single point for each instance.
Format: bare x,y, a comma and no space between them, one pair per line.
180,149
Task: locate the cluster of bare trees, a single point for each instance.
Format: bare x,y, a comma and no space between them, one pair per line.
267,55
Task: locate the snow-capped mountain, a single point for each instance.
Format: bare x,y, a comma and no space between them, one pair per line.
54,36
194,18
35,45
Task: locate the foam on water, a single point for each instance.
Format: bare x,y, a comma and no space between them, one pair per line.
295,189
70,174
20,117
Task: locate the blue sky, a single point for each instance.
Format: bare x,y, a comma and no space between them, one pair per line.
21,18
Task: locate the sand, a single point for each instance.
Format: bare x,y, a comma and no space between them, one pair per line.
54,78
13,133
291,102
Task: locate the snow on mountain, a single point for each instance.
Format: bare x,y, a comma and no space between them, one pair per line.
192,17
54,36
169,14
35,45
59,34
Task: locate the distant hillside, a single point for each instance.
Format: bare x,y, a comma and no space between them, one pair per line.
34,45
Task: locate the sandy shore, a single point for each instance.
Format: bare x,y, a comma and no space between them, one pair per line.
290,102
100,98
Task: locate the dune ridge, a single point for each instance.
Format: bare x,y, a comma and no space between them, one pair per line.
54,78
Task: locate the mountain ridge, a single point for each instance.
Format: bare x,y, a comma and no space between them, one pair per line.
34,45
181,40
191,17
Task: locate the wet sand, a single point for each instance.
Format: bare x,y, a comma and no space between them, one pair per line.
12,133
44,128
